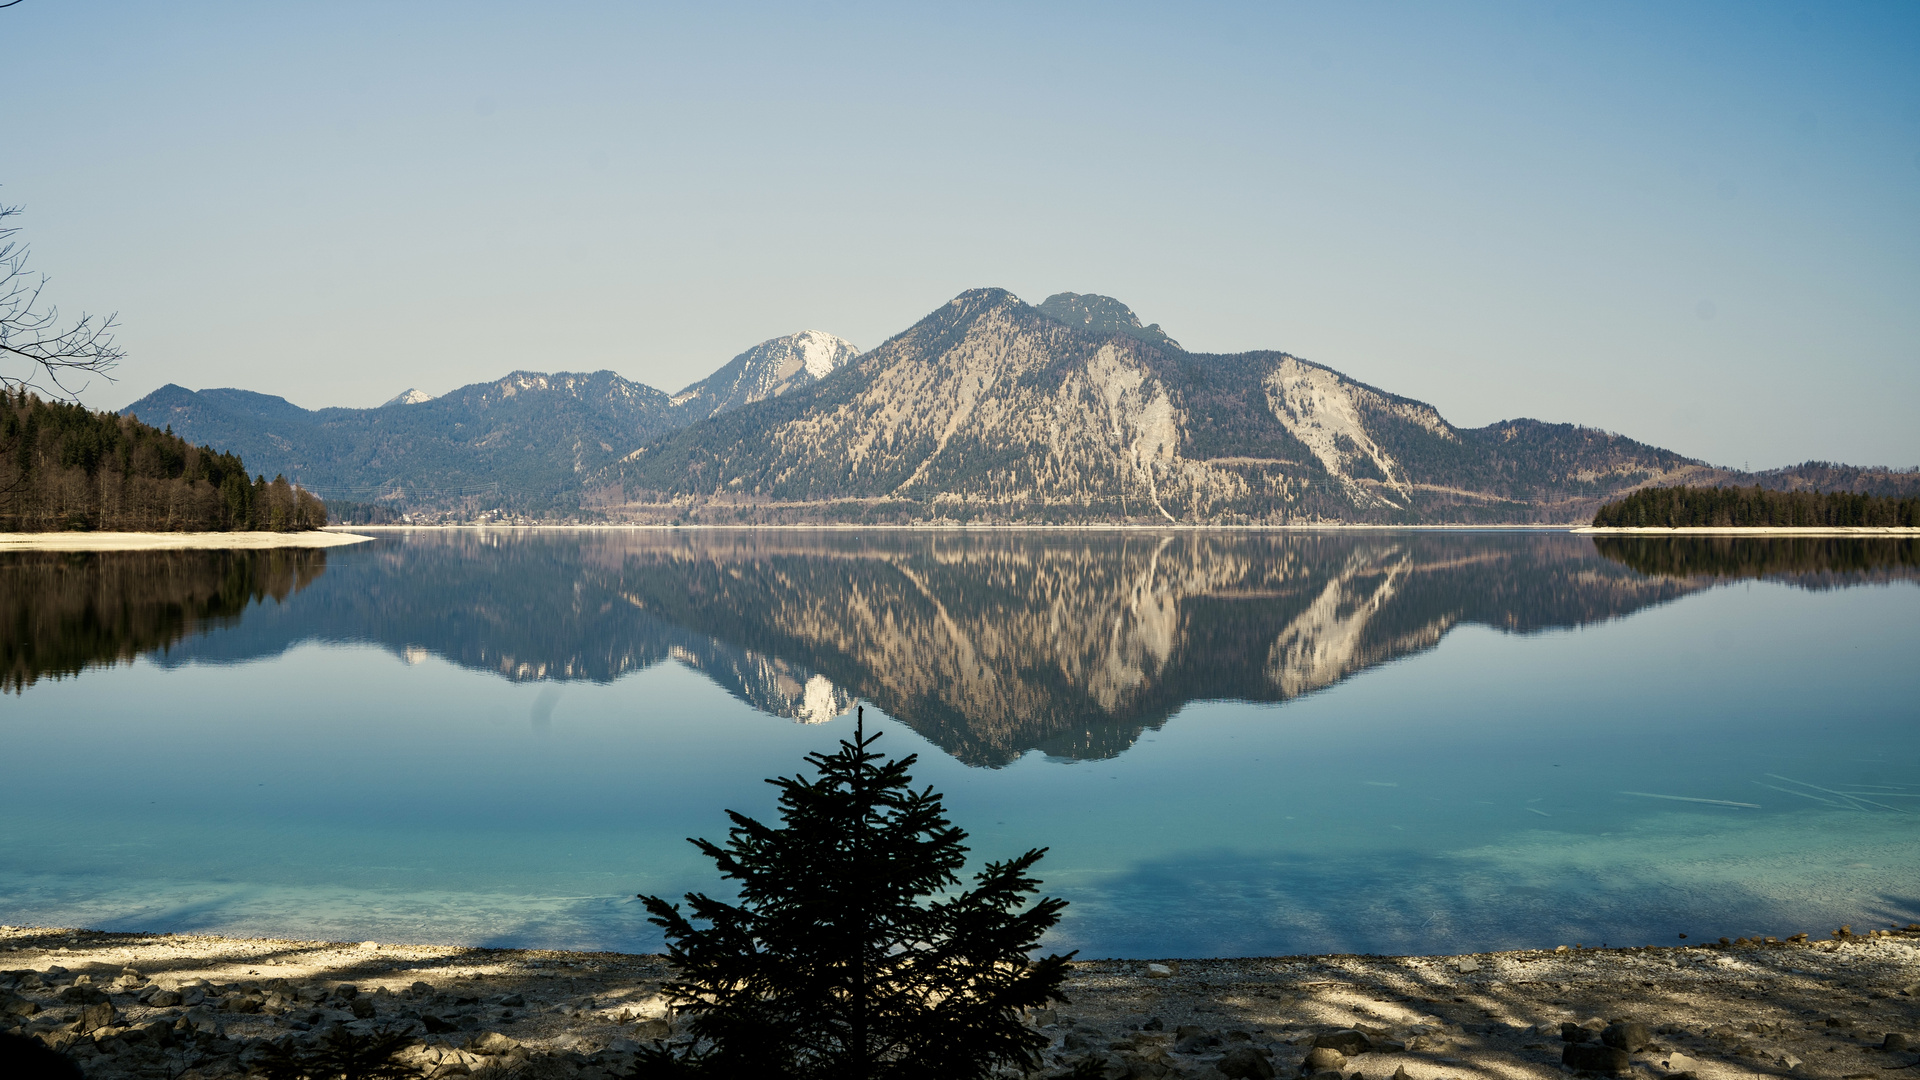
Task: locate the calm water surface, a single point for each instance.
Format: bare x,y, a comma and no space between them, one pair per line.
1232,744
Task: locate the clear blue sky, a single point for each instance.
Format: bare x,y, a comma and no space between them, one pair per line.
1696,224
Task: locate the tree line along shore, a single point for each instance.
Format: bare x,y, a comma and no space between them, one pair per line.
64,467
1755,507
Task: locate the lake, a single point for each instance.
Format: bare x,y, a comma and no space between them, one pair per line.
1232,743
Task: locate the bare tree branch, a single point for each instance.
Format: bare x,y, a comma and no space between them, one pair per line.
32,339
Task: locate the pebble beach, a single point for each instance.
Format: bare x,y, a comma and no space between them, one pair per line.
1844,1005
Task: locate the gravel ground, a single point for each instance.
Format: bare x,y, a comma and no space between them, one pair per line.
185,1007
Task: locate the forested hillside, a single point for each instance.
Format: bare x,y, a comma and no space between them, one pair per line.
1755,507
64,467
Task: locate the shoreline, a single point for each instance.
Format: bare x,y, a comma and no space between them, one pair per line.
204,1006
957,527
1739,530
180,541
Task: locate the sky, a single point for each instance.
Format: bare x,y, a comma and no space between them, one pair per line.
1694,224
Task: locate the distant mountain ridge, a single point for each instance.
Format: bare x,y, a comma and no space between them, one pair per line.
520,442
987,410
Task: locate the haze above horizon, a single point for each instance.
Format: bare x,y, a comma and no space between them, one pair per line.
1699,227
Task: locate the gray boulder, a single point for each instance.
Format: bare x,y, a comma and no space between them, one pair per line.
1348,1041
1596,1057
1629,1036
1322,1059
1246,1063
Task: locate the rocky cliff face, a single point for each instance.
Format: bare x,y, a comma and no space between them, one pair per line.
990,408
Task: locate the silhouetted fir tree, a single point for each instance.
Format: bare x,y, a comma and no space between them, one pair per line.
847,956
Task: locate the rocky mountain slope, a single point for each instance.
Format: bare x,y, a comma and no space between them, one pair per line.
992,409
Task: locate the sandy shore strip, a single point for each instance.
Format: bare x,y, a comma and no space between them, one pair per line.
176,541
193,1007
1737,530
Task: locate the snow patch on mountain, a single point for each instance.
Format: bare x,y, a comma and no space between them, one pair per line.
409,396
769,369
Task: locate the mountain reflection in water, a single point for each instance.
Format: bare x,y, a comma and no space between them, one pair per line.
990,644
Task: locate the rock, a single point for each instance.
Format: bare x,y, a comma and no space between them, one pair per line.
94,1017
1245,1063
362,1008
1079,1041
492,1043
1322,1059
164,999
1678,1062
1576,1033
1197,1043
437,1025
1596,1057
513,1001
1466,965
1159,971
1629,1036
1388,1046
192,995
1348,1042
1896,1042
346,991
82,994
421,989
652,1030
27,1057
1401,1074
15,1005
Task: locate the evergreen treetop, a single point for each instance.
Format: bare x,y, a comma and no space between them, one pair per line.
848,955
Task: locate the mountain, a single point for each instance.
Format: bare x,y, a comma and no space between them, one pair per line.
769,369
993,409
1102,315
987,410
520,443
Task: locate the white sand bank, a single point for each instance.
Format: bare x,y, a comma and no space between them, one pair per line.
175,541
1729,530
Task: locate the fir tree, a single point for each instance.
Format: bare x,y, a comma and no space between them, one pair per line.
848,955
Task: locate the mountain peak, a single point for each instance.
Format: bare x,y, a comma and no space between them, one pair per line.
1102,315
409,396
769,369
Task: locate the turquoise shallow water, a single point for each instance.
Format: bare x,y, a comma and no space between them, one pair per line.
1231,745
